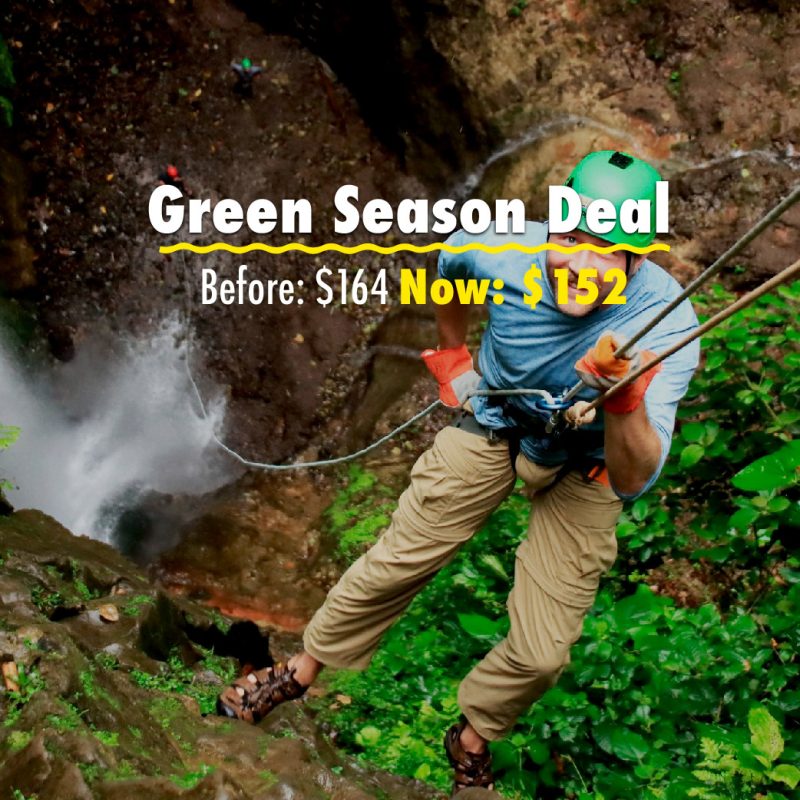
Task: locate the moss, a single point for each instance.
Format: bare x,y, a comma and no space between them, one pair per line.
69,720
165,709
190,779
91,772
18,739
108,738
135,605
106,661
30,682
268,777
222,624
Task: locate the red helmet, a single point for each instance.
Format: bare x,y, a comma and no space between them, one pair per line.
172,171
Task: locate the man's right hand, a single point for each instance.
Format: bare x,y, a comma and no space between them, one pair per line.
454,372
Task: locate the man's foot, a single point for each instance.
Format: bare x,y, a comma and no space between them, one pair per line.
253,696
471,769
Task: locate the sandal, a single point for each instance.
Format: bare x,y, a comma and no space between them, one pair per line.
251,697
471,769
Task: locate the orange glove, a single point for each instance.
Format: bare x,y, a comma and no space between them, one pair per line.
600,368
453,369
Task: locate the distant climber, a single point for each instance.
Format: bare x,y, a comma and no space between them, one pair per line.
171,176
245,73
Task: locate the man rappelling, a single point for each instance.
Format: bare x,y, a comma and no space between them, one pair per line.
579,475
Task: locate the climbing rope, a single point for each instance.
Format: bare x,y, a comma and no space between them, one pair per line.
561,402
704,277
782,277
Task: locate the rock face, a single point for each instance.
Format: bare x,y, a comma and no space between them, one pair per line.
16,254
104,706
419,98
124,94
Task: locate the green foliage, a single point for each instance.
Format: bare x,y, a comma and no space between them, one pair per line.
88,688
269,778
222,624
108,738
516,8
90,772
738,769
176,677
8,433
70,718
190,779
360,511
742,404
29,681
656,693
674,85
17,740
133,607
46,600
6,84
106,661
165,709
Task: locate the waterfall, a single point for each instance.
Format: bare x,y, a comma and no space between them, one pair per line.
118,421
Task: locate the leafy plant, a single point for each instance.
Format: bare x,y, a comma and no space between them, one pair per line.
675,80
69,720
650,680
742,404
29,681
181,679
106,661
7,83
190,779
108,738
360,511
18,739
133,607
8,433
46,600
744,769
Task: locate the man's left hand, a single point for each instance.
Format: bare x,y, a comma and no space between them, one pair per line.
601,369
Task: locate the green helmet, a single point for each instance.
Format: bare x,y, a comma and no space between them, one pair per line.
246,63
615,176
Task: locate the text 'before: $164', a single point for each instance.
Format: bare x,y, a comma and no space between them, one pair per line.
359,287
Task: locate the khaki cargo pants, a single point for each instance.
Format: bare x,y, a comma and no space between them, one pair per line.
454,487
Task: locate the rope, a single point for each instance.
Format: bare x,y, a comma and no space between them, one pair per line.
351,456
777,280
782,277
705,276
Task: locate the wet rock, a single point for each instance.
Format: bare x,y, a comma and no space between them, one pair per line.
251,550
151,788
34,771
16,254
108,613
5,507
110,711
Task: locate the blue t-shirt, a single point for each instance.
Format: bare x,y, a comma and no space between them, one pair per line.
537,349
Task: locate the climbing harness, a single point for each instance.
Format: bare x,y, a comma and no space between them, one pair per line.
549,409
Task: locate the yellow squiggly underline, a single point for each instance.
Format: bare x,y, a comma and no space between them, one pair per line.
411,248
